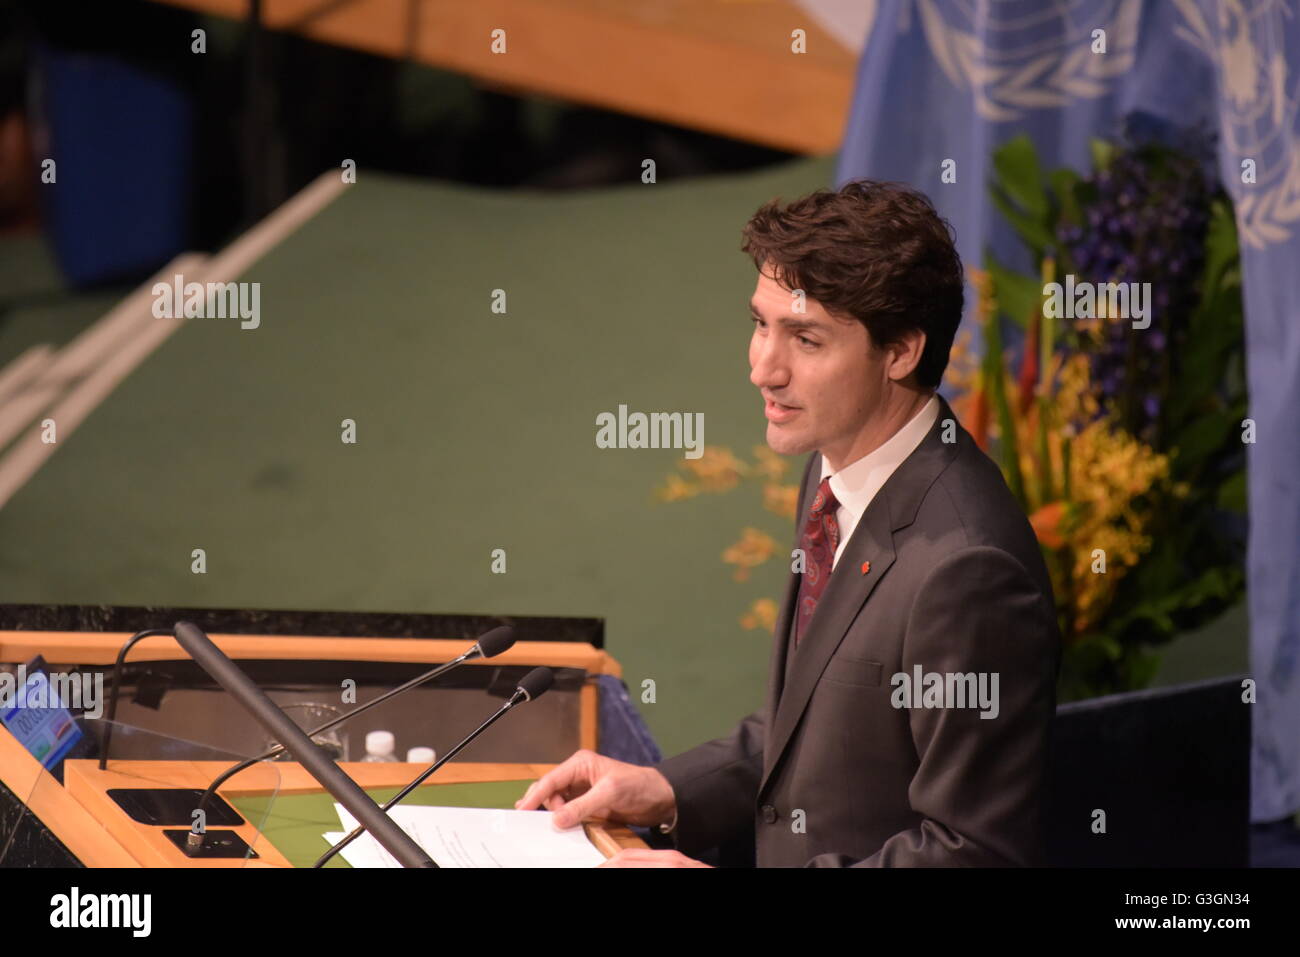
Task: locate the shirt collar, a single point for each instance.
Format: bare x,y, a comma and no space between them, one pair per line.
857,483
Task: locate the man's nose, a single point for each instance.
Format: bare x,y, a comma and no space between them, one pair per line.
768,369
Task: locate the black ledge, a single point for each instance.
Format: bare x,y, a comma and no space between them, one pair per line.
260,621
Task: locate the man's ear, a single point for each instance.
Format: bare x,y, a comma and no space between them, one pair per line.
905,354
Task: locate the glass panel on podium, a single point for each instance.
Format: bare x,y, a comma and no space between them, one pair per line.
145,799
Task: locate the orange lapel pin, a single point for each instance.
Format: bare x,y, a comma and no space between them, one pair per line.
866,567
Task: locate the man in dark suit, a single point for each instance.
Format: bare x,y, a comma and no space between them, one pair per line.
914,666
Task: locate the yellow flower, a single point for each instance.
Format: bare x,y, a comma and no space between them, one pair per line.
767,464
761,614
963,365
754,548
675,489
982,282
781,499
717,468
1110,469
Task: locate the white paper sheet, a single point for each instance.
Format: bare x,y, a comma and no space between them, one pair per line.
474,837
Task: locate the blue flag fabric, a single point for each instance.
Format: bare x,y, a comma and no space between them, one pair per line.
940,85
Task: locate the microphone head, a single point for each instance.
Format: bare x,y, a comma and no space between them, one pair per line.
535,683
496,641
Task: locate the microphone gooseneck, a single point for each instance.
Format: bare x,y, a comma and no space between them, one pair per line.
489,645
348,793
532,686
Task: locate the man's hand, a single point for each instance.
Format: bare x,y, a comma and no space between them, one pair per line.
644,857
588,785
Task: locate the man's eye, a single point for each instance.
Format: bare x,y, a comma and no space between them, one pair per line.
803,339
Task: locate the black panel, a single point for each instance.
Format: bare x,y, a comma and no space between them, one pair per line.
162,806
1171,769
272,674
237,621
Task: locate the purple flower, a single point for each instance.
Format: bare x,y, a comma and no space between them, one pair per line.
1146,224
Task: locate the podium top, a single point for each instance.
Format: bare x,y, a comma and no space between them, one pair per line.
269,621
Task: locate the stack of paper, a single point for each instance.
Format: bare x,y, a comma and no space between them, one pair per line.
474,837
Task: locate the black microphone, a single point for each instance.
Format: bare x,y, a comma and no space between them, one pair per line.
118,667
489,645
532,685
348,793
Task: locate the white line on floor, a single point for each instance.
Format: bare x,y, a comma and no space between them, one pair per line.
102,375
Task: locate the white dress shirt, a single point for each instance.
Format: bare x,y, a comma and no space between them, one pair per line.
856,484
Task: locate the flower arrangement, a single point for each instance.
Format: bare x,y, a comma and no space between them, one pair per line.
1120,440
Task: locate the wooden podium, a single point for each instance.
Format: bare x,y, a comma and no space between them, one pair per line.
148,846
93,829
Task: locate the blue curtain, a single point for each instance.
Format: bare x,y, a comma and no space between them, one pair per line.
953,80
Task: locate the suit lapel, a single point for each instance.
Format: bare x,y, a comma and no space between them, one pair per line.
894,507
784,633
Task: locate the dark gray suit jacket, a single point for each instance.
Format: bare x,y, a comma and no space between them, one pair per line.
830,773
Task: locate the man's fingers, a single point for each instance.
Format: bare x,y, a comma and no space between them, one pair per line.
530,799
556,780
591,804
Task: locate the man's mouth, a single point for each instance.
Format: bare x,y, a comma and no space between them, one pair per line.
776,412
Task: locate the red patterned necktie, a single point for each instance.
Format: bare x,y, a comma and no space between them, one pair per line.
821,536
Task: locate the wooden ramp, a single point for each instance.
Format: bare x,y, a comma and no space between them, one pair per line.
722,66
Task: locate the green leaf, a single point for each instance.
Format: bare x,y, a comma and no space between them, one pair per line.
1046,480
1019,175
995,382
1161,568
1034,233
1158,617
1220,281
1196,385
1213,341
1093,652
1065,182
1204,436
1232,493
1102,153
1109,646
1221,246
1019,296
1140,668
